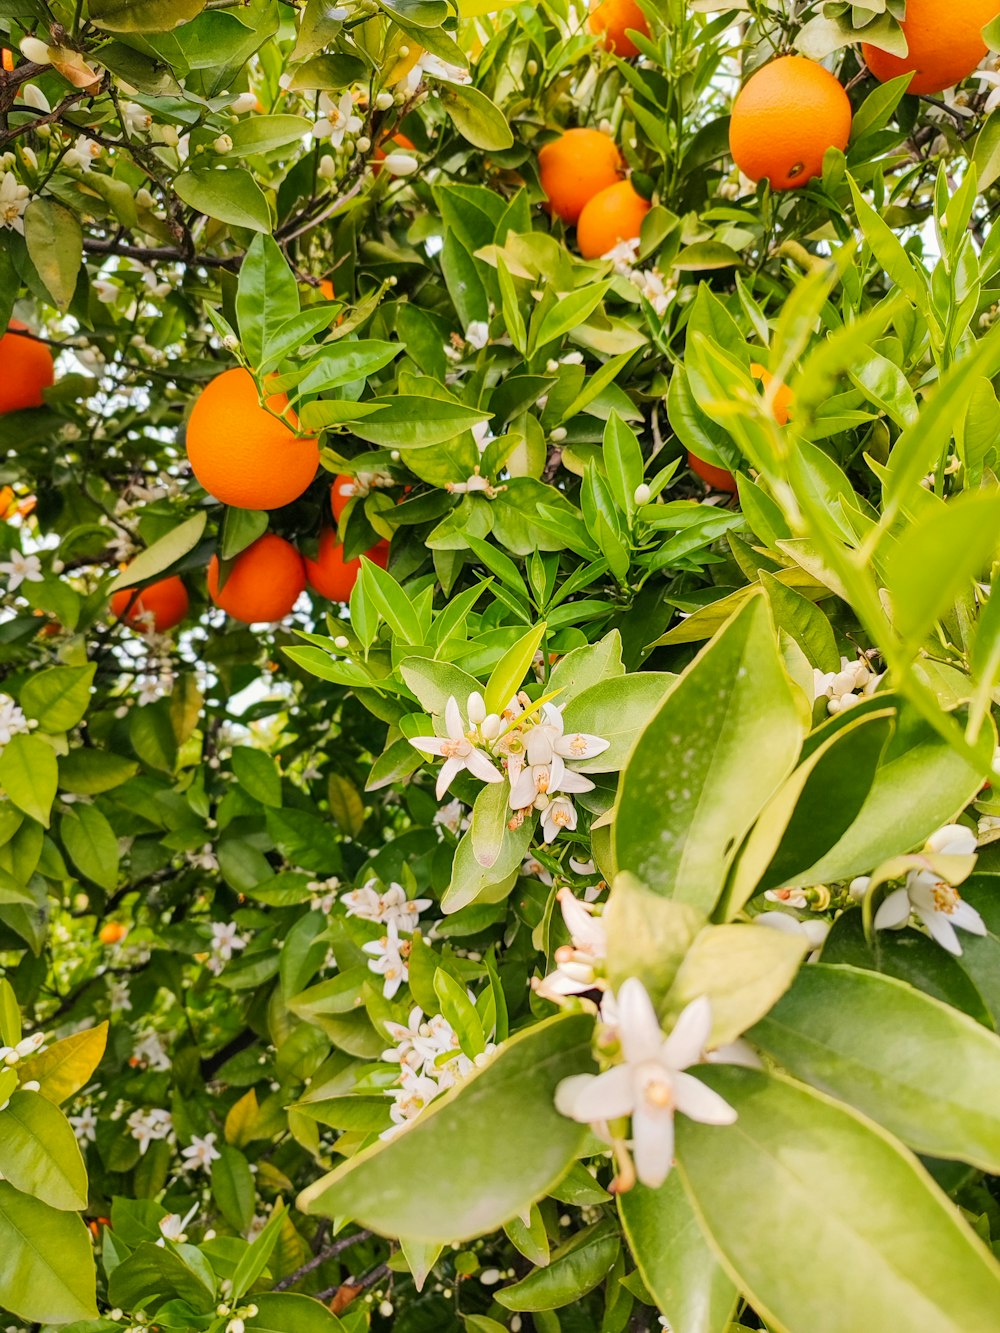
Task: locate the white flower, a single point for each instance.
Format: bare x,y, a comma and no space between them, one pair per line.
409,1099
137,118
147,1126
482,435
421,1045
578,965
244,103
118,994
12,720
535,870
85,1125
205,859
477,335
364,903
458,751
338,119
83,154
106,292
433,67
20,569
653,287
623,256
558,815
790,897
473,484
150,1052
172,1226
225,938
932,899
200,1153
388,960
13,202
402,911
651,1083
451,816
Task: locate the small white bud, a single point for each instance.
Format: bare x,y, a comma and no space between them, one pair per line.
169,136
231,343
342,641
223,144
558,435
29,158
395,456
642,494
401,164
36,51
532,67
33,96
476,708
244,103
491,727
363,144
327,167
384,101
143,198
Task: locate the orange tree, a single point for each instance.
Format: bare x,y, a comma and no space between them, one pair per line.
499,666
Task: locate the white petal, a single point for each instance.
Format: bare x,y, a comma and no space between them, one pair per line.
894,911
639,1028
479,766
699,1102
557,770
687,1041
581,745
449,771
429,744
522,792
953,840
571,781
453,719
965,917
604,1097
653,1150
584,928
942,931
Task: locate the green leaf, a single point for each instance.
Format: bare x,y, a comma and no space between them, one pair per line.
229,194
55,244
489,822
143,15
233,1187
256,1258
346,805
91,843
261,134
648,935
508,674
29,774
725,737
568,313
986,152
616,710
150,1271
240,529
47,1269
475,117
39,1154
257,773
65,1066
392,603
380,1187
58,697
676,1262
162,554
574,1269
90,772
267,295
346,363
410,421
804,621
434,683
798,1165
929,1074
277,1312
10,1015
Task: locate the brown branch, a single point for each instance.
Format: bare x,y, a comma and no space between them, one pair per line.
350,1290
46,118
330,1252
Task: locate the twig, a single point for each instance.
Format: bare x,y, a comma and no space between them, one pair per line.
330,1252
43,119
353,1287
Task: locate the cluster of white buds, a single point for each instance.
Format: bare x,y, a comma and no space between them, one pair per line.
839,686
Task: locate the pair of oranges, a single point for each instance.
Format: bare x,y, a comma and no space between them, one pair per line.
581,174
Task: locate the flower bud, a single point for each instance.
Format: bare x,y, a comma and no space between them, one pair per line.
29,158
33,96
642,494
169,136
327,167
558,435
491,727
36,51
244,103
143,198
363,144
231,343
476,708
384,101
342,641
223,144
401,164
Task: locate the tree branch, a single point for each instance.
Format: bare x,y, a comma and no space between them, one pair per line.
329,1252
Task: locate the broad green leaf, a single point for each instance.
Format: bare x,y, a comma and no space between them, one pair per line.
583,667
267,295
929,1074
648,935
162,554
828,1181
380,1187
233,1187
29,774
47,1272
475,117
530,1237
256,1258
677,1263
65,1066
55,244
574,1269
91,843
509,673
346,805
39,1154
415,422
261,134
277,1312
569,313
724,738
616,710
180,1272
58,697
10,1015
470,882
804,621
231,195
392,603
257,773
346,363
489,822
143,15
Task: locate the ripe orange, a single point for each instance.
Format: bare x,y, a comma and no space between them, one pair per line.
240,453
575,167
945,44
781,408
112,933
717,477
166,601
785,118
264,582
611,20
331,576
26,368
612,216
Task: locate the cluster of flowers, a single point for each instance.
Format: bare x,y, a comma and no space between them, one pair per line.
430,1061
527,744
855,680
13,1055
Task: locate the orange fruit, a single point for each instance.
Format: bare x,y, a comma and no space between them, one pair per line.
945,44
575,167
785,118
26,368
240,453
717,477
112,933
781,408
264,582
166,601
611,20
612,216
333,577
